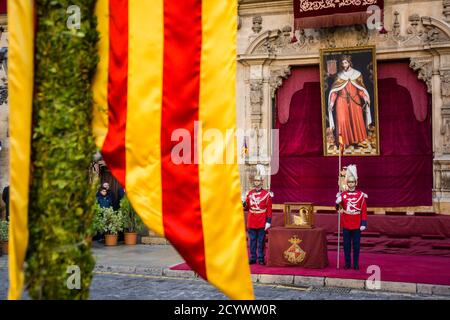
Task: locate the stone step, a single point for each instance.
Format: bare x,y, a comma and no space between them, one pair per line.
154,240
151,233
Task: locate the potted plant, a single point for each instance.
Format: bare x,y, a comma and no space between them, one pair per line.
97,223
4,226
132,222
111,224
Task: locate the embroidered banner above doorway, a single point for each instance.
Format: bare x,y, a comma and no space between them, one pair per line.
329,13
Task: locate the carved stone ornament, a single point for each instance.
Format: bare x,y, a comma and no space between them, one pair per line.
256,96
445,128
276,78
446,12
414,29
396,26
424,69
445,83
445,180
257,24
304,39
3,94
435,31
421,31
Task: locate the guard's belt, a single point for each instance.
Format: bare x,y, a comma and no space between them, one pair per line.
352,213
258,211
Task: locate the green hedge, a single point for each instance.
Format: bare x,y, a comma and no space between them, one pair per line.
61,197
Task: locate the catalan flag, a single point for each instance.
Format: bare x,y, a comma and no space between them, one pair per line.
168,66
20,81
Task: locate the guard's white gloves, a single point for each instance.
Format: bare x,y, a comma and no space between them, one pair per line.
362,228
267,226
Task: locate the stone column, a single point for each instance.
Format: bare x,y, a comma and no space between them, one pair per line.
435,72
441,138
257,124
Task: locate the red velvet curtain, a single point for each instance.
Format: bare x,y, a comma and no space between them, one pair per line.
3,6
401,176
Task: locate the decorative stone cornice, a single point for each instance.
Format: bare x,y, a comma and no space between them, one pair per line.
422,33
438,30
252,7
424,69
263,40
277,76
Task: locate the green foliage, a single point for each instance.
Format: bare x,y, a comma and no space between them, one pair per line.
4,225
97,222
132,221
61,196
111,222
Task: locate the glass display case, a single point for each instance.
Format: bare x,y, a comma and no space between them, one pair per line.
299,215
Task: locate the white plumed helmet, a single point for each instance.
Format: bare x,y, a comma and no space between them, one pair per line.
352,172
261,171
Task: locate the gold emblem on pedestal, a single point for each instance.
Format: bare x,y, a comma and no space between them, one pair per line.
294,254
298,215
301,219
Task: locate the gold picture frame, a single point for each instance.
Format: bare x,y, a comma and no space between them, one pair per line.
349,96
299,215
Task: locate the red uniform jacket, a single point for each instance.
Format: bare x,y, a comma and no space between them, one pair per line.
259,206
355,209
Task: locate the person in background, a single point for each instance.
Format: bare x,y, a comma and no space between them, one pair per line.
5,197
103,199
120,195
259,205
109,193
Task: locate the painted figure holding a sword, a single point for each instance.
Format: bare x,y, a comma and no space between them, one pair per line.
349,105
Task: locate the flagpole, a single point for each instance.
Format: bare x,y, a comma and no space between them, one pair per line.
339,213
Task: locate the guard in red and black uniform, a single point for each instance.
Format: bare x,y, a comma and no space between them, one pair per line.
259,206
352,205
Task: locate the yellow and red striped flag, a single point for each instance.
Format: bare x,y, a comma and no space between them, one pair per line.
169,66
20,81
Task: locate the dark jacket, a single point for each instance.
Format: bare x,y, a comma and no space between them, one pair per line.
104,201
110,196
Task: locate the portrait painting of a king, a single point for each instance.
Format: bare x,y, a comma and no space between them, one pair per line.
349,101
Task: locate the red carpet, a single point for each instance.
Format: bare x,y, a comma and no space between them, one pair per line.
398,268
394,234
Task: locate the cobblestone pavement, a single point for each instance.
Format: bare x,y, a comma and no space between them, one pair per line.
105,286
111,286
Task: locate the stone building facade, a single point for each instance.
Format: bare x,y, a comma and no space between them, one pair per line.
417,30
